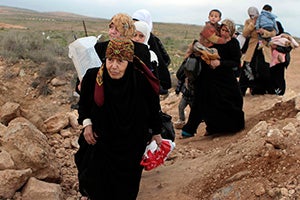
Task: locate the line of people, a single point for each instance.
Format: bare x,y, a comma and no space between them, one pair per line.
264,58
267,53
119,101
217,100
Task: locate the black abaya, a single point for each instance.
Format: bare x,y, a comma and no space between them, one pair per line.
218,101
111,168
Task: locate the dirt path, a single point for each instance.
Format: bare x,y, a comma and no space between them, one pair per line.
195,161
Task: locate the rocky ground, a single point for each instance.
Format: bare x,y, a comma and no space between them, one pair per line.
260,162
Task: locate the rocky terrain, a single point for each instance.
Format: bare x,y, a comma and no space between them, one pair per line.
38,136
38,139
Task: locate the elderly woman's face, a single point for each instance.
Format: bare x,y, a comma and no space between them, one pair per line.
113,32
116,68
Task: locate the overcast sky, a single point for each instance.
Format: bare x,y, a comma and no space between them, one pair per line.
177,11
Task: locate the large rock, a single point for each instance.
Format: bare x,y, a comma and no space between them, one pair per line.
5,160
73,119
8,112
39,190
11,181
56,123
34,118
29,148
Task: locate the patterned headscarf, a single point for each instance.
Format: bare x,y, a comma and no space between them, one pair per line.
121,49
124,24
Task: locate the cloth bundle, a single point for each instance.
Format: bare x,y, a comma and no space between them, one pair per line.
207,54
284,40
155,155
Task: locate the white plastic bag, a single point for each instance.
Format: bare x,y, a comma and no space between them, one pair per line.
83,54
241,40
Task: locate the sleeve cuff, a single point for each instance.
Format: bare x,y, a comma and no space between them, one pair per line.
86,122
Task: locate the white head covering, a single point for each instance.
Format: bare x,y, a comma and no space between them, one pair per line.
143,15
143,27
253,11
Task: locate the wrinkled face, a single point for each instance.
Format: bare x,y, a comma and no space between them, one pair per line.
214,17
116,68
113,32
139,37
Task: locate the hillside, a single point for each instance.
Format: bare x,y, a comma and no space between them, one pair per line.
260,162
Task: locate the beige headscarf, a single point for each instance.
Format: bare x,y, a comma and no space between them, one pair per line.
124,24
229,25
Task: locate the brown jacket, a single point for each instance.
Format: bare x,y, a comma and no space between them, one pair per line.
250,31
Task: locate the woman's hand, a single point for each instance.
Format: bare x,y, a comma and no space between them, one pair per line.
157,138
89,135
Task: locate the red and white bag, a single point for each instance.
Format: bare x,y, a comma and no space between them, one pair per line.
156,155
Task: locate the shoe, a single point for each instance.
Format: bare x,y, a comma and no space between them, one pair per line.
186,135
179,124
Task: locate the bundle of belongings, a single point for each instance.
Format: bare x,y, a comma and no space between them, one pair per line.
83,54
207,54
278,42
155,155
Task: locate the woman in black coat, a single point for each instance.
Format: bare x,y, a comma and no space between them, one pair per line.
218,100
119,103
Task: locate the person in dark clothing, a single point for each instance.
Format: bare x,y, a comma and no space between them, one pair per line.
278,70
218,100
255,73
121,25
185,85
158,48
119,103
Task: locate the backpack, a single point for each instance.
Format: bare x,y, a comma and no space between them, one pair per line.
192,67
167,126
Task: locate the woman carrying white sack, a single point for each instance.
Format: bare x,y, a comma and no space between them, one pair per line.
142,35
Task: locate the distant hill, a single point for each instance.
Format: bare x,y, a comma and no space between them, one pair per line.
13,11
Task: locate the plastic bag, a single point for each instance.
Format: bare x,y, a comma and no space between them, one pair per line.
83,54
155,155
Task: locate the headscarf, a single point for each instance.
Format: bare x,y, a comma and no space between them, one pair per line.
143,27
229,25
124,24
253,11
143,15
122,49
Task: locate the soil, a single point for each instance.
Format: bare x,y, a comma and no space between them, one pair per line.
239,166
